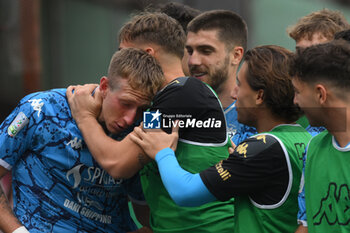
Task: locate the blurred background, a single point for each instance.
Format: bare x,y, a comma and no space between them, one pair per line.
48,44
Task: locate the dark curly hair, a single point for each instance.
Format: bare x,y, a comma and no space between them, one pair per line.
329,62
268,70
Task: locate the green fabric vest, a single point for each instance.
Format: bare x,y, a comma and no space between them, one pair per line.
327,186
303,121
166,216
282,217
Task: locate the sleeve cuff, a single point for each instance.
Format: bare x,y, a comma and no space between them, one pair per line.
302,222
21,229
164,153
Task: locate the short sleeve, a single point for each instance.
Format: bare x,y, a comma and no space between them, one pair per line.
256,163
195,104
17,130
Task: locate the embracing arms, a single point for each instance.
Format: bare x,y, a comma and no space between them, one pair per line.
121,159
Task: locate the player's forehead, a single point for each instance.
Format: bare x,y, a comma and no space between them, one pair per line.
204,38
306,41
129,94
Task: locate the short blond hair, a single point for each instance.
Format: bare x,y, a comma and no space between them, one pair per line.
142,71
326,22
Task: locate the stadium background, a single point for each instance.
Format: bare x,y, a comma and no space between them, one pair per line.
47,44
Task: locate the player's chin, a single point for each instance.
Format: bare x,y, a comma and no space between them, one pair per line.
114,128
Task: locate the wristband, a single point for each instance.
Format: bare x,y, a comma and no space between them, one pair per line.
21,229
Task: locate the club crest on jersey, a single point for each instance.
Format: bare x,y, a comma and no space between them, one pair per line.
152,120
17,124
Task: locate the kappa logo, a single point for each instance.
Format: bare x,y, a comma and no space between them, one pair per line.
335,206
75,143
242,149
37,105
152,120
301,150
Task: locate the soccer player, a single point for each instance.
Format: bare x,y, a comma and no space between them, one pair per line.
263,173
216,42
184,98
57,185
317,27
314,28
183,14
322,91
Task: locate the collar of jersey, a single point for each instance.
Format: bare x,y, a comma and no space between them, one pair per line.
336,145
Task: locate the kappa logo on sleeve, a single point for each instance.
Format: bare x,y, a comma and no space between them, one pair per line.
17,124
37,104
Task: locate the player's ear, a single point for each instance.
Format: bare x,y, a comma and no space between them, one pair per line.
236,55
259,97
104,83
150,50
321,93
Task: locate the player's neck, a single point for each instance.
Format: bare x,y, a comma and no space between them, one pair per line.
225,91
342,138
267,121
225,98
172,74
338,124
171,66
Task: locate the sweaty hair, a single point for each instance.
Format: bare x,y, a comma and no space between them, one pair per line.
156,28
232,29
182,13
142,71
329,62
325,22
268,70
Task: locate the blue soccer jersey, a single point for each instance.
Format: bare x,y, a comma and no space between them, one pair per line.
301,197
57,185
237,131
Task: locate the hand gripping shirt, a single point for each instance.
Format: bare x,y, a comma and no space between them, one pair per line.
57,185
202,143
327,181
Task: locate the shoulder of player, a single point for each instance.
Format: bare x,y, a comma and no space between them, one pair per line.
39,101
319,138
46,95
257,144
185,84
